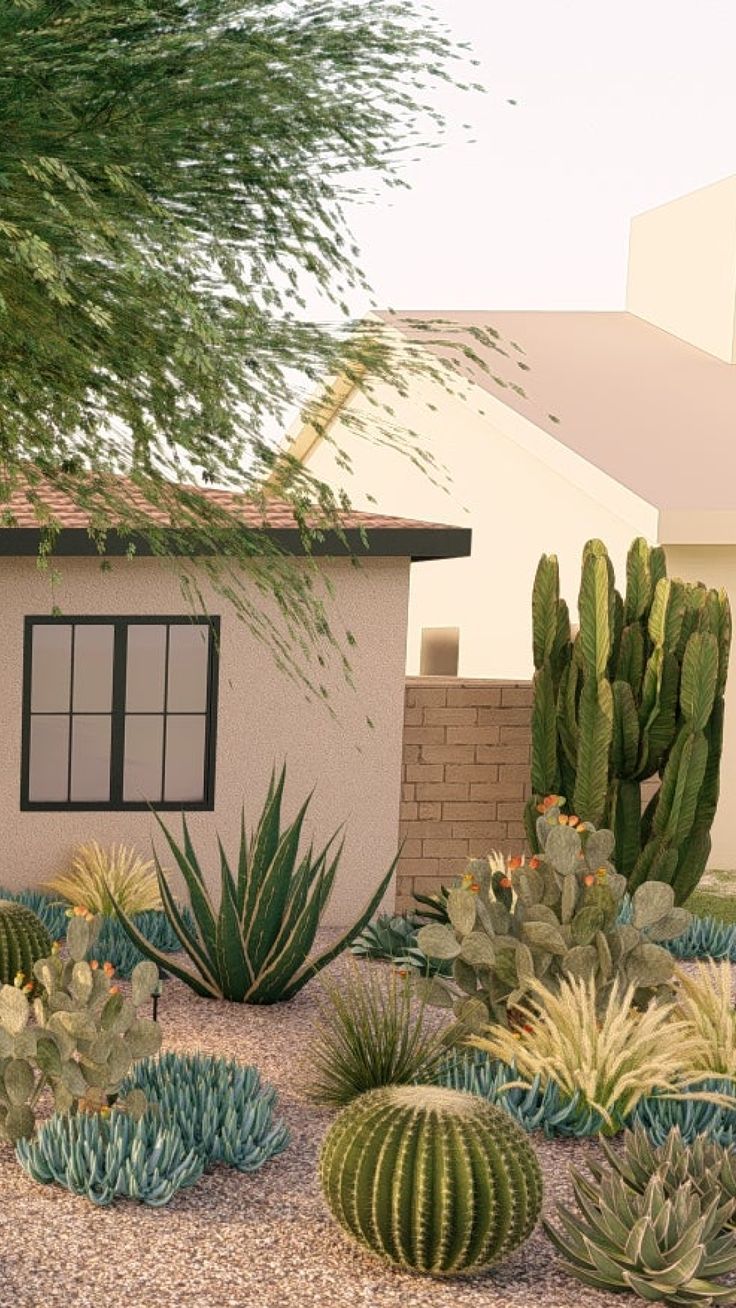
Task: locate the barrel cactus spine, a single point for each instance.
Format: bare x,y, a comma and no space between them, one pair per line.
23,940
431,1179
638,693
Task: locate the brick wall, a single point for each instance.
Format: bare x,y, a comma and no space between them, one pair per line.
465,776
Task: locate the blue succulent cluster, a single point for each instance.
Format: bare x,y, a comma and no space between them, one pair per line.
113,944
706,937
545,1108
201,1111
693,1116
112,1157
535,1108
220,1106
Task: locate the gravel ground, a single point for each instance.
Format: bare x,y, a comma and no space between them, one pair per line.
239,1241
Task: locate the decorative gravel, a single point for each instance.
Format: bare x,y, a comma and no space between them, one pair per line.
264,1240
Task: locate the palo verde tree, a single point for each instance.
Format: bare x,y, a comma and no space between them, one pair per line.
173,174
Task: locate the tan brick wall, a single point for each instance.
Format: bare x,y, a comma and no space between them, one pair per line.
465,776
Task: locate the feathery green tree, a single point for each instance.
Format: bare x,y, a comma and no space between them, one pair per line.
173,175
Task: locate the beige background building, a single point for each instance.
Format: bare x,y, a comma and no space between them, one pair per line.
609,424
261,718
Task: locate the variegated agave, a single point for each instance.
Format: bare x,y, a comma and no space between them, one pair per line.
658,1222
254,946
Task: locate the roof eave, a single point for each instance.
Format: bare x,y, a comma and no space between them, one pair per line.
419,544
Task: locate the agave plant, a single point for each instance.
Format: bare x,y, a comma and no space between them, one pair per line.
658,1222
708,1165
254,946
96,875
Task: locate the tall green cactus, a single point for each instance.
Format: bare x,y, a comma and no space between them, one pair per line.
638,693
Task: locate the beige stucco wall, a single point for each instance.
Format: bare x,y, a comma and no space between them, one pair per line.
520,490
682,268
262,718
716,566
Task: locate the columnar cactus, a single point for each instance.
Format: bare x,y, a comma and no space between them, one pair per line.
433,1180
23,940
637,694
556,916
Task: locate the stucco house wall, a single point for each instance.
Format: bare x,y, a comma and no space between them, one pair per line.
263,719
519,489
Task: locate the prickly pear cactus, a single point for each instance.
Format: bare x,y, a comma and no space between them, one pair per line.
555,916
79,1035
637,694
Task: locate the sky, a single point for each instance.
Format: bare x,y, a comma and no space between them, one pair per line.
620,107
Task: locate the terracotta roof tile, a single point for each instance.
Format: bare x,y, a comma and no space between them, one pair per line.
278,514
387,536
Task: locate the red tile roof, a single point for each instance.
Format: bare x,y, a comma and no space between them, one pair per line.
398,536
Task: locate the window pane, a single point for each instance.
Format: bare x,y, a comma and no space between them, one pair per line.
185,738
49,759
143,759
93,645
51,667
90,758
188,650
145,674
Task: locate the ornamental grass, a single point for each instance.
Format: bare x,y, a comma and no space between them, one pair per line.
611,1057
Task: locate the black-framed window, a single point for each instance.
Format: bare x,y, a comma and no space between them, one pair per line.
119,712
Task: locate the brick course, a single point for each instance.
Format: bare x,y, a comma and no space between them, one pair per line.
465,776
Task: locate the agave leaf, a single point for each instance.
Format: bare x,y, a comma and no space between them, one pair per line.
299,928
234,967
203,982
264,843
202,909
274,883
311,967
243,867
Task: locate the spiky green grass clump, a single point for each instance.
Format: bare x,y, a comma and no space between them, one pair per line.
370,1033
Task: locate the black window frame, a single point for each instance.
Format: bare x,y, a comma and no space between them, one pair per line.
120,624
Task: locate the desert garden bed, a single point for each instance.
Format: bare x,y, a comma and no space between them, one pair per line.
242,1240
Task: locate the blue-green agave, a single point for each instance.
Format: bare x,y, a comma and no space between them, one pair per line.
692,1117
220,1107
706,937
254,946
392,938
534,1108
110,1157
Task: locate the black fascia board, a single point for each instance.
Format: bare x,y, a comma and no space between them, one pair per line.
420,544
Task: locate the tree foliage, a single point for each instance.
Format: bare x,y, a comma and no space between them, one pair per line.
173,175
